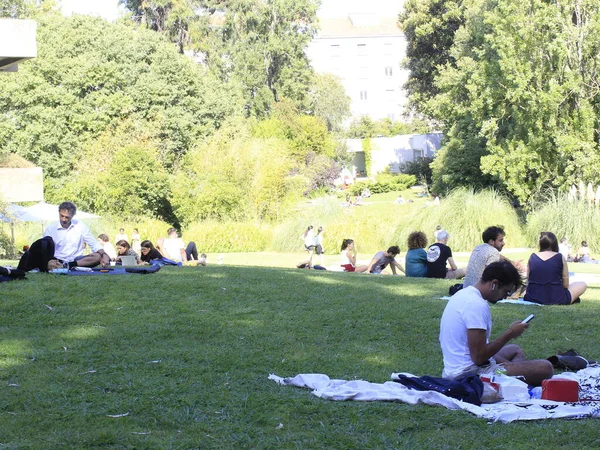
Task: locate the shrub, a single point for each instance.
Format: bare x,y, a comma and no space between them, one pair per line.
213,237
384,183
574,219
372,232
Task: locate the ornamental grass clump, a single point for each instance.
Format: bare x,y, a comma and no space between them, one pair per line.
465,214
577,220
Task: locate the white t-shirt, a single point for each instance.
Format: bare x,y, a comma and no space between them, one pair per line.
309,239
466,310
173,248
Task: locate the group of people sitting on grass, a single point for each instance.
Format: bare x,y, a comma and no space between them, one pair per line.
582,255
70,237
547,272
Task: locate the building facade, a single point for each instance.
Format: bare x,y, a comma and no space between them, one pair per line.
365,51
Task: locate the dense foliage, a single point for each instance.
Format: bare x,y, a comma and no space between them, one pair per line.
518,98
91,76
126,125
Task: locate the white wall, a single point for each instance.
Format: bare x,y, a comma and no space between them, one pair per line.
369,70
17,42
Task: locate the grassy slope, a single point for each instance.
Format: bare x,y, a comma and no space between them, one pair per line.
187,352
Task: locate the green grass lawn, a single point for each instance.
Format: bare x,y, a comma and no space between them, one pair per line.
186,354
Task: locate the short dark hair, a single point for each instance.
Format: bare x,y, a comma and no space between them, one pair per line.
394,249
103,237
68,206
492,233
171,230
548,241
504,272
416,239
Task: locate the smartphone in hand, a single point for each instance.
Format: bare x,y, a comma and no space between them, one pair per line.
528,319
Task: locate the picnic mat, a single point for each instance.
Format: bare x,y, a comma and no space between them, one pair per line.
330,389
113,270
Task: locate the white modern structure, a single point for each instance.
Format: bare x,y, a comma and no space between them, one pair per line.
17,43
392,152
364,50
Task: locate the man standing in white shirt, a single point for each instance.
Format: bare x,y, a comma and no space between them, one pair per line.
69,237
175,249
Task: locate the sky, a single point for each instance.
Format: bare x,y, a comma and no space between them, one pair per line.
107,9
110,10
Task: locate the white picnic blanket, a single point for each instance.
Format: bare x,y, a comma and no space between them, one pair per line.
330,389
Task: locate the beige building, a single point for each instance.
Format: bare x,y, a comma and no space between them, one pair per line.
17,43
364,50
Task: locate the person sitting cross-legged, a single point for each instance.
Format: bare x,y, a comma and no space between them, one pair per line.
438,255
466,327
416,256
70,236
548,275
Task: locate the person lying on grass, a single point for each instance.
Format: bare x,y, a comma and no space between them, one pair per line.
382,259
70,237
466,326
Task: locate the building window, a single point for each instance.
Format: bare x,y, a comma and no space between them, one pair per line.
335,50
363,73
363,95
418,153
391,116
361,49
388,71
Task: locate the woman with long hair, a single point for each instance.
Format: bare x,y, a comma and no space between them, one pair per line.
148,252
124,249
548,275
348,257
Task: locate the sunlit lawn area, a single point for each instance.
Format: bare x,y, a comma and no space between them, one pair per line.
185,354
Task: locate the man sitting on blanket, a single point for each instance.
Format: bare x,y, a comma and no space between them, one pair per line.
466,326
69,237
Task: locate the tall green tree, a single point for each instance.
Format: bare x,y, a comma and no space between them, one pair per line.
429,27
522,102
89,77
328,100
180,20
263,48
259,44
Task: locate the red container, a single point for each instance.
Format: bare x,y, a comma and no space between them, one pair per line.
560,390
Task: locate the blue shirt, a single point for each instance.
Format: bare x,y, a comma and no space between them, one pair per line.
416,263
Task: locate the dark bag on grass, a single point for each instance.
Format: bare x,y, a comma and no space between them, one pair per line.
468,389
454,289
38,255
